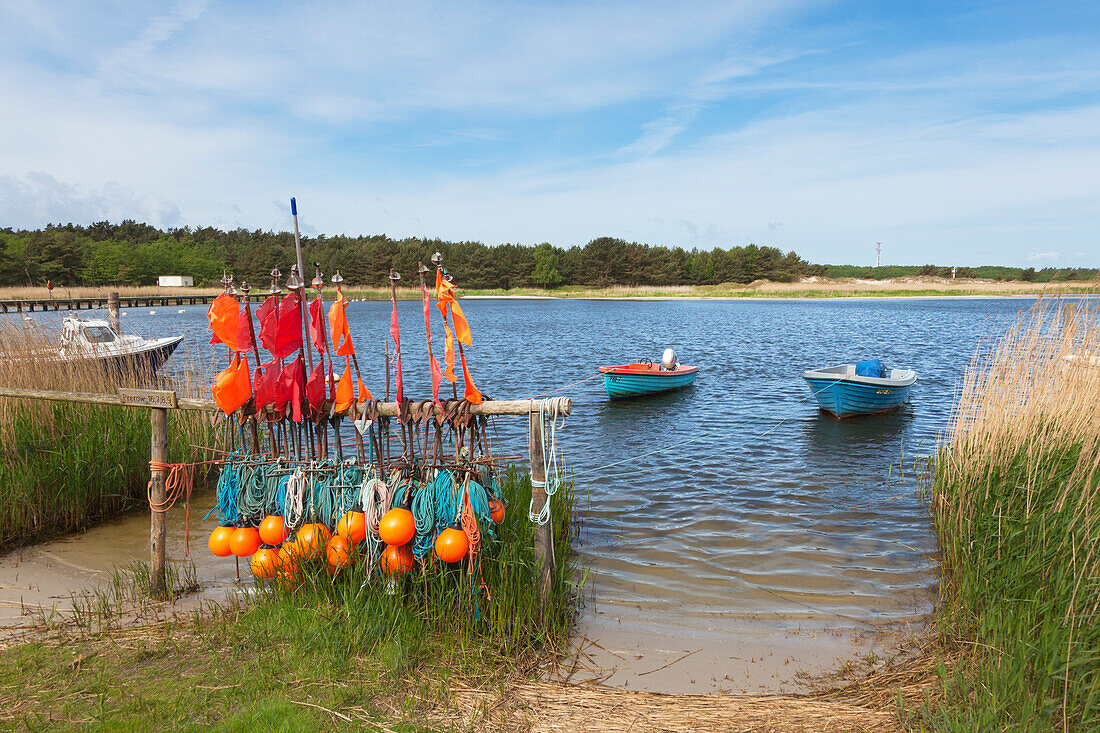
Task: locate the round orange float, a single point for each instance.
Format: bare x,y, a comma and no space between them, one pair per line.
397,527
273,530
265,564
310,540
451,545
397,560
218,541
353,526
496,510
338,552
244,542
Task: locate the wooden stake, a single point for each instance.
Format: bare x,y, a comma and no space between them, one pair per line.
158,521
544,544
112,312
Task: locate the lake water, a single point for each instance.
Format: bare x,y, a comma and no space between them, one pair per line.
735,501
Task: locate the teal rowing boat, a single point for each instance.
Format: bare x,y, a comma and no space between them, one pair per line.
638,380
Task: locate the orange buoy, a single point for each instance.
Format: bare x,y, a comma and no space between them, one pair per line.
310,542
397,560
397,527
339,552
496,510
451,545
219,541
244,542
273,530
353,525
265,564
289,572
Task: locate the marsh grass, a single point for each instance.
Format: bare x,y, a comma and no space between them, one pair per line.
65,466
1016,499
345,651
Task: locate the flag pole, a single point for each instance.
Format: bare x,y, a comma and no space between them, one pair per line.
318,283
304,355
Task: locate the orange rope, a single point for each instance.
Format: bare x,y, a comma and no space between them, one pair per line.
178,483
473,535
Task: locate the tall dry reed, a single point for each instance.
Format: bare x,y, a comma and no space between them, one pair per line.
1016,508
64,466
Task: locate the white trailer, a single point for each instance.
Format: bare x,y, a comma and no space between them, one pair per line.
176,281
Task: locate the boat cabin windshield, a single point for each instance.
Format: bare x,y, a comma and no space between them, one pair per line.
98,334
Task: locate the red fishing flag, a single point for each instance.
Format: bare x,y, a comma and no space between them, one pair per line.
315,386
289,390
264,380
281,335
316,327
245,333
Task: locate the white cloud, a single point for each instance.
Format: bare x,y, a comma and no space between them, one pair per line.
39,198
1044,256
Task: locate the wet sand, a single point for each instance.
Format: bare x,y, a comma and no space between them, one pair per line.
738,656
40,581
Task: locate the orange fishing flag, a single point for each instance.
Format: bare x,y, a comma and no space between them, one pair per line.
471,394
338,326
462,329
233,386
224,315
449,354
443,299
433,365
364,393
345,390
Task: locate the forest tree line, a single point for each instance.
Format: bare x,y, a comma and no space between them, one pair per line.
132,253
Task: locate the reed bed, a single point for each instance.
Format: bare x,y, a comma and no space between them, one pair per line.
81,291
813,287
65,466
1017,510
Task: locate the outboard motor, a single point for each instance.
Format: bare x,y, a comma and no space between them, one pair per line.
668,360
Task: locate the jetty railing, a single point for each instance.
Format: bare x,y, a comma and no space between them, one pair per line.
159,402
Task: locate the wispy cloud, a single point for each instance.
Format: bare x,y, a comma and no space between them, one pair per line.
704,124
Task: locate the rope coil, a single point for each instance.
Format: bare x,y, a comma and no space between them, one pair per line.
550,410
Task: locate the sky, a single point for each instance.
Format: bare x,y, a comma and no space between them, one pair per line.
955,133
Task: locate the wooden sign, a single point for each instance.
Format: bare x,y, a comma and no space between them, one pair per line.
148,397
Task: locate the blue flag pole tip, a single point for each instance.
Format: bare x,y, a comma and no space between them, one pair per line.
293,207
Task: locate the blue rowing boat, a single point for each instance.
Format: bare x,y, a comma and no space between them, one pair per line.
860,389
638,380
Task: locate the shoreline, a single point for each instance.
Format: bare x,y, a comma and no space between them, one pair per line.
810,289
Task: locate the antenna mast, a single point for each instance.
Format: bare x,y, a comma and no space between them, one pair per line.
878,254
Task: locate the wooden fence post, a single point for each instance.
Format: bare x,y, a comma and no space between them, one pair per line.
544,544
112,311
158,520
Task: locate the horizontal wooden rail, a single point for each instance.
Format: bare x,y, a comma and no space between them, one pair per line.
386,409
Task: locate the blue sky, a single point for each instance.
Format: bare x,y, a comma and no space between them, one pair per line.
955,133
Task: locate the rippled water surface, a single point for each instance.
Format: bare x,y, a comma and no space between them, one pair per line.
735,498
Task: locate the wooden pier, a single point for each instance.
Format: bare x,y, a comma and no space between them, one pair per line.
30,305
